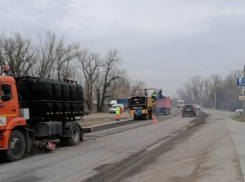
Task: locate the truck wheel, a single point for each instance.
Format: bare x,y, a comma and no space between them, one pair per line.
81,134
74,139
16,149
183,115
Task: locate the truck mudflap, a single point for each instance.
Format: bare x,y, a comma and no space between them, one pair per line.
45,144
4,139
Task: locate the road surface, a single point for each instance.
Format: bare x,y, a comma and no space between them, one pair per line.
210,152
176,149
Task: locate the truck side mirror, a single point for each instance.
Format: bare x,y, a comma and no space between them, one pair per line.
6,89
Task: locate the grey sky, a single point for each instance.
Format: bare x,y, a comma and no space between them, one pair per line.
158,40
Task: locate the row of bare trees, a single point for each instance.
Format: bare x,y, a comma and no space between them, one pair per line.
214,91
50,57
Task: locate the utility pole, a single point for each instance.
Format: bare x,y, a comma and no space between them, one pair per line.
201,96
215,92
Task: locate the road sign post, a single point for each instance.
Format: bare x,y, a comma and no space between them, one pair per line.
241,83
241,98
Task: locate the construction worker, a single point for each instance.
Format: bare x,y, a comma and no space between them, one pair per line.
118,113
154,96
121,110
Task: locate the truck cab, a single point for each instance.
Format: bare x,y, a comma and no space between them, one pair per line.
10,119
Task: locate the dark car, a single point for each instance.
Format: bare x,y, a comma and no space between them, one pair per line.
189,110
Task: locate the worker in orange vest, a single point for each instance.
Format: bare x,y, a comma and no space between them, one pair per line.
117,113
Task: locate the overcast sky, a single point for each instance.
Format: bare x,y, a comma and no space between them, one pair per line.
158,40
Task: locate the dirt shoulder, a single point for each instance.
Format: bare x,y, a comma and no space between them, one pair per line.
238,117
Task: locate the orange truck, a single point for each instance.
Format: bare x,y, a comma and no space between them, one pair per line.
35,111
163,105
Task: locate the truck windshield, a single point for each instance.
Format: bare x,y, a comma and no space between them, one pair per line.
138,101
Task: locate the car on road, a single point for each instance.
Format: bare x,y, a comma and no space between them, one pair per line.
113,109
239,111
189,110
198,107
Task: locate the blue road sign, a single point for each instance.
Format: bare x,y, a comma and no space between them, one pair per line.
138,112
240,82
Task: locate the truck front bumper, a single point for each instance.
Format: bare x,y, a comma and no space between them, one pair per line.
4,139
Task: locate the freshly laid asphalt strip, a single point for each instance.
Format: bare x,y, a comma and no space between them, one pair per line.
116,172
121,123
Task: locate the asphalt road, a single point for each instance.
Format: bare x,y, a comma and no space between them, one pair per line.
207,148
111,155
88,158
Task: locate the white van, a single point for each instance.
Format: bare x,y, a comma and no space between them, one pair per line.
113,102
113,107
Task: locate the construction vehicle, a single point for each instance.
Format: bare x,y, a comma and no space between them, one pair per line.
35,111
163,105
142,107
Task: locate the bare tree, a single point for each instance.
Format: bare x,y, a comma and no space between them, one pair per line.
206,86
98,85
47,55
191,90
17,53
230,79
64,55
135,86
226,90
120,88
69,72
89,63
110,73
